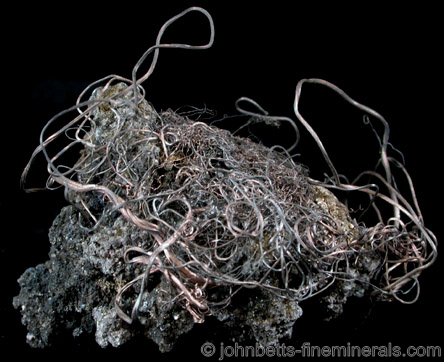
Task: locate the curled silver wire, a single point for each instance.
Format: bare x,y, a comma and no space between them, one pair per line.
222,212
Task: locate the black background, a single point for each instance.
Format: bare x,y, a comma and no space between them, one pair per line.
385,58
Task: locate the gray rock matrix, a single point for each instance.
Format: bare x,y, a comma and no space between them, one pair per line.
76,288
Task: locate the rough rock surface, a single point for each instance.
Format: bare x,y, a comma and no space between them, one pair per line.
75,290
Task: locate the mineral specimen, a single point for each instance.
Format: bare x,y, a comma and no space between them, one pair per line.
173,221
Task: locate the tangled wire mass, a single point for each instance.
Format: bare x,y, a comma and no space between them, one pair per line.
225,213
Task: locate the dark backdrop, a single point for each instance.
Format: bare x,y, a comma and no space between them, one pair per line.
385,58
